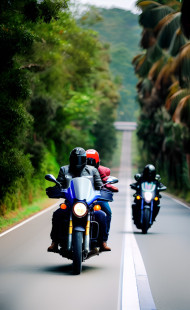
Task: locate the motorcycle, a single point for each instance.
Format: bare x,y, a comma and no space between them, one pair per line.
146,202
81,200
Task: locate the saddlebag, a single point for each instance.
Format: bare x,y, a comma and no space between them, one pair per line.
106,195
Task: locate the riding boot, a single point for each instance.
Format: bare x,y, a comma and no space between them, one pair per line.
53,247
104,247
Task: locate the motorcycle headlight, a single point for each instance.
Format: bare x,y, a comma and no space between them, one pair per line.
80,209
148,196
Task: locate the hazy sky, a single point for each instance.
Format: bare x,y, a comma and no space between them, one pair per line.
123,4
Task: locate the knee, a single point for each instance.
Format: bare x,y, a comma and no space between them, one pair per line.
100,215
59,213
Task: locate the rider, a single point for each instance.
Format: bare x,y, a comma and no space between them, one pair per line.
77,168
93,159
148,175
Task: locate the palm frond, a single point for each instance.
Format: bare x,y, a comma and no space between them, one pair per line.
174,88
150,17
144,88
156,68
182,112
172,23
182,66
165,78
143,66
148,38
177,42
173,101
143,4
185,23
154,53
136,59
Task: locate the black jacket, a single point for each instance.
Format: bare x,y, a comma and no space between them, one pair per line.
65,174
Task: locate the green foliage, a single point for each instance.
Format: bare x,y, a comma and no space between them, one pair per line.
55,87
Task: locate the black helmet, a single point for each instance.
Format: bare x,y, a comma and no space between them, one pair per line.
77,159
149,173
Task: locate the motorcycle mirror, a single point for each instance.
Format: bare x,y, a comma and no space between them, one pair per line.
161,189
51,178
112,180
158,178
137,176
133,186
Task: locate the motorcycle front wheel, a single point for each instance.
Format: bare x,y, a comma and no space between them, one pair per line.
77,252
146,220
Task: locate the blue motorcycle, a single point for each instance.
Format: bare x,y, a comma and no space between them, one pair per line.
146,202
81,200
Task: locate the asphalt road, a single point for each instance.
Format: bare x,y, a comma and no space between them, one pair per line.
32,279
166,254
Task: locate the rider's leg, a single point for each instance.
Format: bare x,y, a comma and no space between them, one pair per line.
60,220
101,218
106,208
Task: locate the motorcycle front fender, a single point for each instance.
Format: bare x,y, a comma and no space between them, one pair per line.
79,228
146,207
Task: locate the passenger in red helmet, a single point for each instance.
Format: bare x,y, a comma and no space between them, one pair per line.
93,159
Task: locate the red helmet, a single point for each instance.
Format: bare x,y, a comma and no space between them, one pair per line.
93,158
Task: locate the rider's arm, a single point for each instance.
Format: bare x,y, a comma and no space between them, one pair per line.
61,177
97,179
104,173
161,186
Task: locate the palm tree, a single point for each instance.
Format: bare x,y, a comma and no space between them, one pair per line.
164,72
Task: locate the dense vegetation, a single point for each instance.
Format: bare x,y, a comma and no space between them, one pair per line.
120,29
56,92
163,69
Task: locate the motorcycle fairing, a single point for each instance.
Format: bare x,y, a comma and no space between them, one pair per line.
81,189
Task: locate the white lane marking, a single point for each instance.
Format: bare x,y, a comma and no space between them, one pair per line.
135,290
28,220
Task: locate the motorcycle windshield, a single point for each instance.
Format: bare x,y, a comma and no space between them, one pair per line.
82,189
148,187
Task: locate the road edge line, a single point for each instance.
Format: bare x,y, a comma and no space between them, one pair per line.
28,219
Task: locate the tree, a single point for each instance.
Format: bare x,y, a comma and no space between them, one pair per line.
163,70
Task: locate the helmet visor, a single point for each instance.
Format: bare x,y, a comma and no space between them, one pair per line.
78,161
91,162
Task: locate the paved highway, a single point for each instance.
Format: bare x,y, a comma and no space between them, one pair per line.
32,279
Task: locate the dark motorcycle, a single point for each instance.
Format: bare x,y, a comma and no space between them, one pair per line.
81,199
146,202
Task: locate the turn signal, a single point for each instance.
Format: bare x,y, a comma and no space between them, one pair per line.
156,198
97,208
138,197
63,206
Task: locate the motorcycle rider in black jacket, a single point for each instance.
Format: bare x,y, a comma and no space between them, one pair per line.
77,168
148,175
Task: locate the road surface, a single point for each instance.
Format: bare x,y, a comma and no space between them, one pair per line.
32,279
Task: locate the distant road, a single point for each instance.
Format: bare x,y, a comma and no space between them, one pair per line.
125,126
